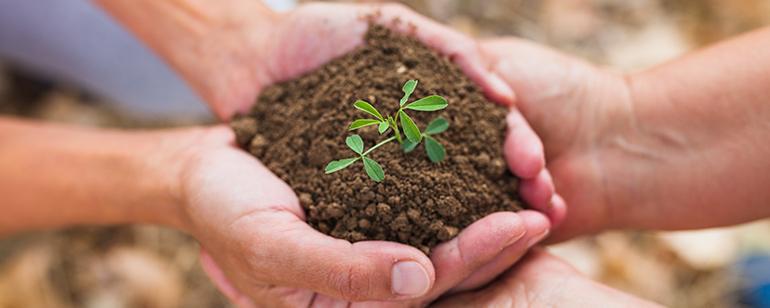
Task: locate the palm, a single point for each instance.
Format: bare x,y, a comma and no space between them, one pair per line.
231,198
251,224
563,98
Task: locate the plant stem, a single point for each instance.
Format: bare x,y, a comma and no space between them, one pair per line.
378,145
394,125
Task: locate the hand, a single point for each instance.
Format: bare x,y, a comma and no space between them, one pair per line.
575,108
312,34
641,151
295,46
261,253
229,51
541,280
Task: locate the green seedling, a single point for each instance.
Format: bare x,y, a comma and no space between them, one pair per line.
435,151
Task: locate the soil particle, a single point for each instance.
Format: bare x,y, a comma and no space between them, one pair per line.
299,126
247,128
446,233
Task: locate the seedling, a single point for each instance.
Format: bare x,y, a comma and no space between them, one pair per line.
435,151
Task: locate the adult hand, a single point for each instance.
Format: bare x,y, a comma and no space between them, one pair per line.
680,146
261,253
541,280
314,33
571,105
229,51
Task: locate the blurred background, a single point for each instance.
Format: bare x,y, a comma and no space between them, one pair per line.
148,266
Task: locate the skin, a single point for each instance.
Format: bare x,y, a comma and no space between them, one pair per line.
257,247
542,280
680,146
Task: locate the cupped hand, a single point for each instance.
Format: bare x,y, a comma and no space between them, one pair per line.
258,249
314,33
541,280
305,38
261,253
578,110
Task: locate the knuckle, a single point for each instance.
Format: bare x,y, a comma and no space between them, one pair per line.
351,282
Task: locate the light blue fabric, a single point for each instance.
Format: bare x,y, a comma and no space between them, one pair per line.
75,41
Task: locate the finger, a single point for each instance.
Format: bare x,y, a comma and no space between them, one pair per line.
538,192
557,211
323,301
458,258
541,280
223,283
475,246
462,49
524,281
537,228
275,246
523,149
532,282
290,253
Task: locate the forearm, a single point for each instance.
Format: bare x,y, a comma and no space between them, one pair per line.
207,42
56,176
700,132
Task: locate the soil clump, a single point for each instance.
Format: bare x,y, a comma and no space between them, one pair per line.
296,128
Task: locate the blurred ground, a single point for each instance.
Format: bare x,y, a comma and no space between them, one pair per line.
146,266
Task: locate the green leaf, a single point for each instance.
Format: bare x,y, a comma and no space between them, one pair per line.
408,90
363,123
362,105
383,127
430,103
410,129
408,146
355,143
373,169
437,126
338,165
435,151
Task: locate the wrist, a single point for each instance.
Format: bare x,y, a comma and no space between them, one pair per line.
640,150
163,160
624,150
188,160
58,176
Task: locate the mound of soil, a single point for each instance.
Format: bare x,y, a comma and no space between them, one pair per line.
296,128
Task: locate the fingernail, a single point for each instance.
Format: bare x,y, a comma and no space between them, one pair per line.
410,278
549,207
502,89
515,239
537,238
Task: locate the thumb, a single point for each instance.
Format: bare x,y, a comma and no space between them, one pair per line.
292,254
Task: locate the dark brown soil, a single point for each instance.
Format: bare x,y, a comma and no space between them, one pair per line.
296,128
